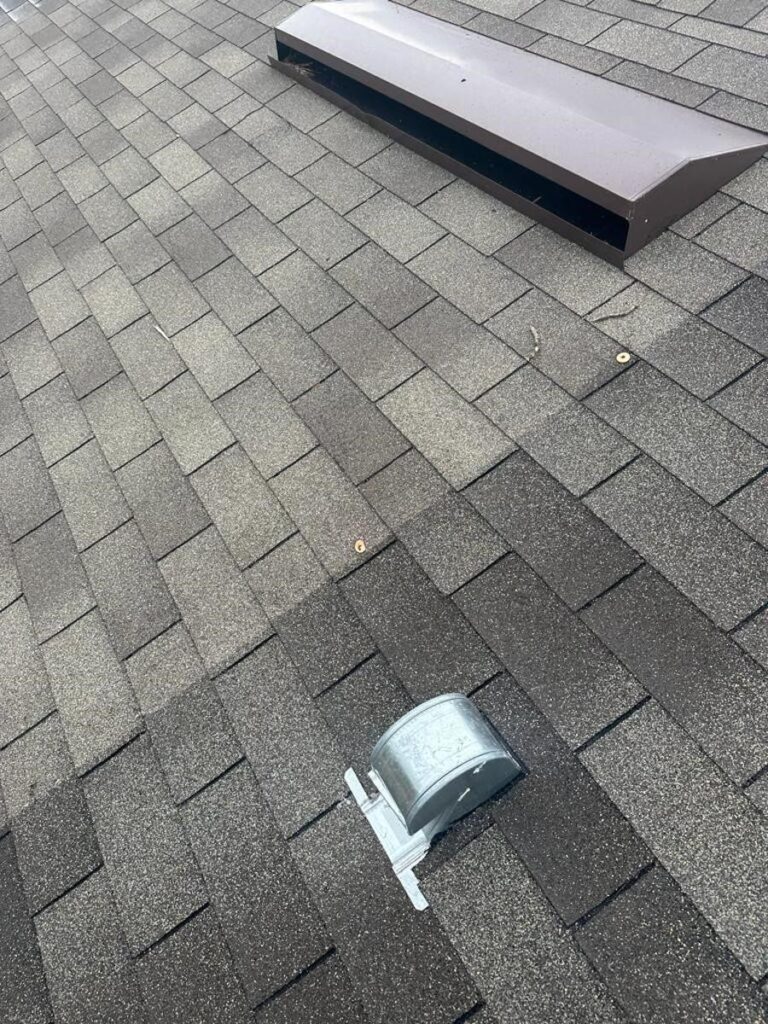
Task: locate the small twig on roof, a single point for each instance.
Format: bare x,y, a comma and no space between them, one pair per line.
536,344
612,316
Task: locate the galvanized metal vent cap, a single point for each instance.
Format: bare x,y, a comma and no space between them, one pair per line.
440,761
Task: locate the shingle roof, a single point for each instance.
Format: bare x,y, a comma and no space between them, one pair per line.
241,331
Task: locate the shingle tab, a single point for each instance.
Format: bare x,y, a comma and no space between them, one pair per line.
215,357
569,547
386,288
745,402
325,991
309,294
31,360
465,355
90,497
147,856
245,511
192,428
34,765
272,928
23,989
217,606
596,850
339,855
330,512
488,904
576,681
164,669
130,590
712,841
238,299
322,234
431,647
660,958
742,312
120,422
54,581
693,545
394,225
26,695
456,438
86,956
190,977
284,737
57,420
173,301
27,497
287,354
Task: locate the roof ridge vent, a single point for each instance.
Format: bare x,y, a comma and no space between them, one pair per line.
598,162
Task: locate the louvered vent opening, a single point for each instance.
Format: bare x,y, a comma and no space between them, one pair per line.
564,203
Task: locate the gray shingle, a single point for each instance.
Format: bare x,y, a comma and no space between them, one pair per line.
659,957
190,425
474,216
132,596
86,956
359,437
35,261
432,982
23,989
578,684
350,138
748,510
394,225
390,291
742,312
572,353
165,669
58,304
137,251
694,546
172,300
241,505
93,696
431,647
330,512
90,497
120,422
150,866
213,199
704,450
325,991
217,606
405,173
256,242
649,45
166,508
464,354
55,844
17,309
456,438
33,765
217,360
306,291
286,576
572,550
597,850
147,357
272,192
190,977
303,109
271,433
728,69
487,883
14,425
114,301
52,575
84,257
702,216
751,186
568,440
563,269
683,346
323,235
193,740
195,248
405,488
57,419
107,213
159,206
31,360
26,695
284,737
27,497
179,164
739,236
684,272
577,24
87,357
235,295
286,353
340,186
10,584
712,841
698,675
272,927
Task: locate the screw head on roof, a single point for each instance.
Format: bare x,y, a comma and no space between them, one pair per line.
623,357
360,546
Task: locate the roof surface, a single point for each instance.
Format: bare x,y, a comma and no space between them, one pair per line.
242,331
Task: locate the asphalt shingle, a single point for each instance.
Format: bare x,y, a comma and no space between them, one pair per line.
26,693
27,497
286,353
190,425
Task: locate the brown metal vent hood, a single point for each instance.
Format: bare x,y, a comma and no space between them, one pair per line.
600,163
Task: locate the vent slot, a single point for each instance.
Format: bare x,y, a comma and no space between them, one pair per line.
565,204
